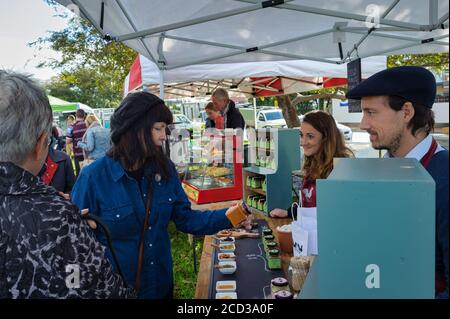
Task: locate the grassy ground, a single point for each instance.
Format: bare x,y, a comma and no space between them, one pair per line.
185,278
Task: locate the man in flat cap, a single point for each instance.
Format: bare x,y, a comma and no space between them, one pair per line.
396,105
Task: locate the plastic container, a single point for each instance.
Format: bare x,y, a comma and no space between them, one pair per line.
237,214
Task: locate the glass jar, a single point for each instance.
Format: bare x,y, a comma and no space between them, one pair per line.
279,284
283,294
261,203
237,214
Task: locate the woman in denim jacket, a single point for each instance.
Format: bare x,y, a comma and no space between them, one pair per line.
96,141
136,175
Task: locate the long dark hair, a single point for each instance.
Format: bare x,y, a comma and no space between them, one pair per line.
320,165
131,132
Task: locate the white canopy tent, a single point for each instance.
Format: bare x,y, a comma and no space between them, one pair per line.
202,79
178,33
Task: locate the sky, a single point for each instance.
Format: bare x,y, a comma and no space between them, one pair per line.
21,22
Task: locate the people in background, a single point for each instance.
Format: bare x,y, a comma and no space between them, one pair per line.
70,120
75,136
232,117
43,239
321,141
96,141
135,190
57,171
214,119
396,105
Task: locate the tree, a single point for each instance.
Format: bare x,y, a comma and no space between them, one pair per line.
92,69
320,99
437,62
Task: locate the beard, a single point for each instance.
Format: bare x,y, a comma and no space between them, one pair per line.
392,145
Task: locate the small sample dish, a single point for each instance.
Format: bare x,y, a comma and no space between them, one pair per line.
226,256
226,286
228,239
227,267
226,295
227,247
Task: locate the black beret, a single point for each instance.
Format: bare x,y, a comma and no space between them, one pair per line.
132,108
413,83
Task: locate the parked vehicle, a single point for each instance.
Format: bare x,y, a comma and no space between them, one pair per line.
345,130
181,121
267,117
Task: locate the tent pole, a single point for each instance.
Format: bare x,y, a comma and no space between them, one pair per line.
161,83
177,25
401,47
130,21
434,11
254,113
374,27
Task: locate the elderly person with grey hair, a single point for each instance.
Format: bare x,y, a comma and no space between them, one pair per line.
46,249
233,118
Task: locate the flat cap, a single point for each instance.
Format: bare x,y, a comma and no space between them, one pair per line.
413,83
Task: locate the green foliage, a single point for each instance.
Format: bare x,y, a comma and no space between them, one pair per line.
92,69
437,62
185,279
302,107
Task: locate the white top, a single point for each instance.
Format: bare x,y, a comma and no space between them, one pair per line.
420,149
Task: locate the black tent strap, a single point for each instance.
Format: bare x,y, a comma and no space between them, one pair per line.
102,15
271,3
427,40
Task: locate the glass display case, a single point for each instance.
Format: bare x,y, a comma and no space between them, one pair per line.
215,171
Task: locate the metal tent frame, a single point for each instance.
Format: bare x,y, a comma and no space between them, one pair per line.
121,20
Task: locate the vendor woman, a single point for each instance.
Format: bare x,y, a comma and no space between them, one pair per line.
321,141
135,191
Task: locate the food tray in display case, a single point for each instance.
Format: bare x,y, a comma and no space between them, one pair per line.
215,175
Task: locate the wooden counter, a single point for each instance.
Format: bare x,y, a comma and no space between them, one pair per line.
204,274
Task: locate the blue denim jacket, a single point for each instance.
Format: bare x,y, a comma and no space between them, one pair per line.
119,201
98,141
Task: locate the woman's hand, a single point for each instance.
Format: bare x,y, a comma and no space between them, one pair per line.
91,223
278,212
64,195
247,223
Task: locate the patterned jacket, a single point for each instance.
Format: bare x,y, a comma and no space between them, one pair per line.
46,249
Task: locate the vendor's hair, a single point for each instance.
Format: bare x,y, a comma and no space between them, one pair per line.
135,147
423,116
25,115
320,165
211,106
221,94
